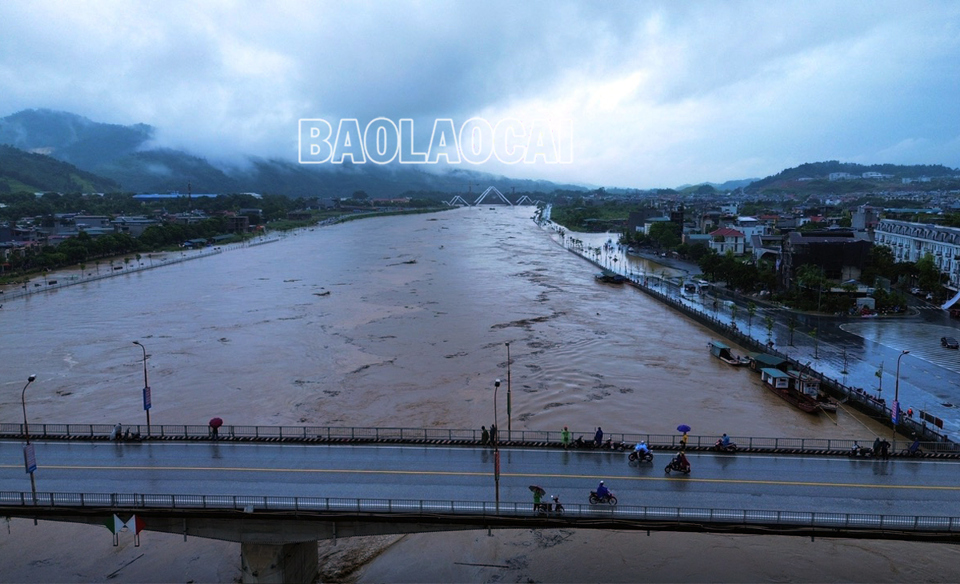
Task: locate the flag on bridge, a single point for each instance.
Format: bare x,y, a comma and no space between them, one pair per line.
134,524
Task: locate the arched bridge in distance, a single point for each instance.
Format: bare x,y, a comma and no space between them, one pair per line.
277,490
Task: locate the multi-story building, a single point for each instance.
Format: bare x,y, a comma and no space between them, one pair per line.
726,239
840,254
911,241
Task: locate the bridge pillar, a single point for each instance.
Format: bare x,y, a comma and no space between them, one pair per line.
295,563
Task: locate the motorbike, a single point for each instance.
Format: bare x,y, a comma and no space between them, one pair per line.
616,446
677,466
610,498
720,447
636,456
555,508
914,450
857,451
581,443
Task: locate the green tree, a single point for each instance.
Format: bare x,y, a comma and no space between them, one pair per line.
929,276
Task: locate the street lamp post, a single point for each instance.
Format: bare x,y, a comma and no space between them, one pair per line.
29,456
509,415
895,417
496,448
146,386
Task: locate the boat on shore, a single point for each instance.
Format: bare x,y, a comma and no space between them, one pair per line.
724,353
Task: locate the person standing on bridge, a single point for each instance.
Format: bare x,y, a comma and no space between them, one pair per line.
565,437
493,434
484,435
598,437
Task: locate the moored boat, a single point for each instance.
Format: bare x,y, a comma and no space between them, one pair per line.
724,353
798,389
610,277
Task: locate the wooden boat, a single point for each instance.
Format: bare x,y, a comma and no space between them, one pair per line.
781,383
725,354
610,277
798,389
760,360
809,386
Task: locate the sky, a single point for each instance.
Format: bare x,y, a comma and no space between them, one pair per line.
657,94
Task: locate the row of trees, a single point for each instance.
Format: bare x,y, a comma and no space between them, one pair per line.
83,248
16,206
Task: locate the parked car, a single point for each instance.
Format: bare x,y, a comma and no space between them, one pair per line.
949,342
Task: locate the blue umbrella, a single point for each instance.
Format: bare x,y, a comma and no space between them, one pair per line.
683,428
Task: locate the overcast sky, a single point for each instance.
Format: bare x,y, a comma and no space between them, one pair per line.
659,93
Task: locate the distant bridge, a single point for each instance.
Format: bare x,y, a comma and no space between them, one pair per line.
491,193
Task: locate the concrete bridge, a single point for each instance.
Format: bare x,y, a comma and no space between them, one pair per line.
277,490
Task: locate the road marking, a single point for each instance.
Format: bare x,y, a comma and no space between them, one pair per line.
686,479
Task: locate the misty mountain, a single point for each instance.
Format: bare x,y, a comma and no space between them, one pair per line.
124,154
25,171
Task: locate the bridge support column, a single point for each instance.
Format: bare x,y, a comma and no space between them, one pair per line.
295,563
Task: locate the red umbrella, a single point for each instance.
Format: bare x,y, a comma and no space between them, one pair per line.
215,422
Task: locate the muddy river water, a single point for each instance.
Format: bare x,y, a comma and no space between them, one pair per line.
403,321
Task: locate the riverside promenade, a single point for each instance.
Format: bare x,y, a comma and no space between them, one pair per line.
806,353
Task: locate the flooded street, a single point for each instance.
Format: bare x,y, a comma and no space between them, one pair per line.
400,321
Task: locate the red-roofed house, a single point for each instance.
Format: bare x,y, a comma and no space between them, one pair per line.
725,238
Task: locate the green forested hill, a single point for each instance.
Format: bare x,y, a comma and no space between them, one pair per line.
820,171
23,171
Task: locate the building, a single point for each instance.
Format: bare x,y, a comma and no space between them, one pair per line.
841,254
865,218
726,239
911,241
132,226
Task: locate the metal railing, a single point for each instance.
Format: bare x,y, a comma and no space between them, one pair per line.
247,504
447,436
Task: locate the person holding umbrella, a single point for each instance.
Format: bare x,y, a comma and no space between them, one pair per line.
215,424
538,493
683,439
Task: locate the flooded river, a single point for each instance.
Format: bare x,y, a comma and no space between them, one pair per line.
397,321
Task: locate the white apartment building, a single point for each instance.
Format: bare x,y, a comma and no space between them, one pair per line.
911,241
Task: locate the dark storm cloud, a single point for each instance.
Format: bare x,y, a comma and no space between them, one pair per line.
660,93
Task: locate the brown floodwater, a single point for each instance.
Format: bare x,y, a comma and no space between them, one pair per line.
396,321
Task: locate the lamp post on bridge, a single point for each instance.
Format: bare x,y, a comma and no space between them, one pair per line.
146,386
895,414
29,456
509,415
496,448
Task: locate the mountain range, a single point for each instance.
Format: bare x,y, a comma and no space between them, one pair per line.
84,155
124,155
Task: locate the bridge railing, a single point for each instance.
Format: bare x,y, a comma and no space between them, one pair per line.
10,500
526,438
